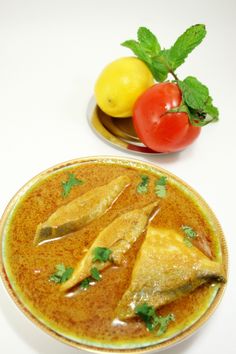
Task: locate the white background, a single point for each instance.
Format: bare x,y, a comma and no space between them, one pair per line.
51,52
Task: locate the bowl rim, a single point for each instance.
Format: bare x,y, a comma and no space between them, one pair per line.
179,337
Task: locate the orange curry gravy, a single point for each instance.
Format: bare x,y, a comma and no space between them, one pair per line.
90,314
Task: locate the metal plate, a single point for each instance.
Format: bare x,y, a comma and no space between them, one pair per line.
118,132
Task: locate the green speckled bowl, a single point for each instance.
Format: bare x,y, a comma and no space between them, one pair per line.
174,336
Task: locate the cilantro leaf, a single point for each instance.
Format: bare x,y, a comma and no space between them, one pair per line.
164,322
67,274
160,191
160,187
188,242
189,231
162,181
60,268
143,185
185,44
152,320
101,254
195,94
95,274
54,278
71,182
190,234
147,314
148,40
85,283
62,274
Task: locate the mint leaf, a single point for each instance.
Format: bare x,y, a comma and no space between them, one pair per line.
101,254
200,118
138,50
143,185
185,44
211,110
95,274
195,94
62,274
158,69
148,41
71,182
197,103
147,49
160,187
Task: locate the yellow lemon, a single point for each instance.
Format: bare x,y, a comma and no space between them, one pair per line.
120,84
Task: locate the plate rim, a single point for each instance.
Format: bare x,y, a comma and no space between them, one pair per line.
90,112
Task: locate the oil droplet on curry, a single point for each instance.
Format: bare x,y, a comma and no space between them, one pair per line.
91,314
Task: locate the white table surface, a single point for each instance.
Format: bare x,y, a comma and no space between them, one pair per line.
51,52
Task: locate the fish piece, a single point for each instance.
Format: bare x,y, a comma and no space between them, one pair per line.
81,211
165,269
118,236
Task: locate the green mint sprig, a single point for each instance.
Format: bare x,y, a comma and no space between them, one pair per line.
196,99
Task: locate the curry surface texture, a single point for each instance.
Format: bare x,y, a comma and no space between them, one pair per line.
89,314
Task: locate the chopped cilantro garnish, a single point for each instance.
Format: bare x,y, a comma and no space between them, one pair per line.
71,182
143,185
163,323
152,320
160,187
62,274
101,254
189,231
190,234
187,241
95,274
85,283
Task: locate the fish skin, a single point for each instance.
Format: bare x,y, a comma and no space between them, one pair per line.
166,269
118,236
81,211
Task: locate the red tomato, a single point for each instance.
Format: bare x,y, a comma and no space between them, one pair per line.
159,129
